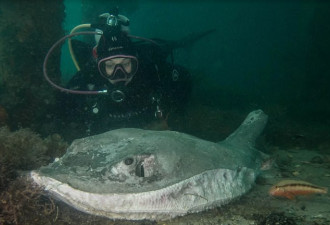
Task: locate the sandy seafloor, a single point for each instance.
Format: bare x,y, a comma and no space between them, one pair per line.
256,207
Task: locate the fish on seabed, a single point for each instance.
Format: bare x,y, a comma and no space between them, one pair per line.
293,188
137,174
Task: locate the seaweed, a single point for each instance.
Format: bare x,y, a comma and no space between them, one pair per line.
22,202
22,148
25,203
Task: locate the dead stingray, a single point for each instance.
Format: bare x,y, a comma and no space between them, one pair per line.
139,174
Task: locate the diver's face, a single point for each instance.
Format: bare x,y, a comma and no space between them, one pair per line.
124,63
118,68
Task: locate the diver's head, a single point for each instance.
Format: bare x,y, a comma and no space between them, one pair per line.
116,58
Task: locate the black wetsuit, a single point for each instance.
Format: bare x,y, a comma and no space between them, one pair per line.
158,88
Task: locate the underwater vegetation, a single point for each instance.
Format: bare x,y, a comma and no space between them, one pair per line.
24,203
26,150
23,150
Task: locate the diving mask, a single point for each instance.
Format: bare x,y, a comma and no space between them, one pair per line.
118,68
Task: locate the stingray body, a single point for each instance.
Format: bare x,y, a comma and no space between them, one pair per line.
140,174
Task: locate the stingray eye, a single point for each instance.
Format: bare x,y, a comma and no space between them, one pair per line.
128,161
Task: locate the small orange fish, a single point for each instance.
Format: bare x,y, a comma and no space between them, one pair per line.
292,188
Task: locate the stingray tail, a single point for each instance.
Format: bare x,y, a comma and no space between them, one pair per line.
249,130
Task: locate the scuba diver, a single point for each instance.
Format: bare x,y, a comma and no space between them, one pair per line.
123,81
